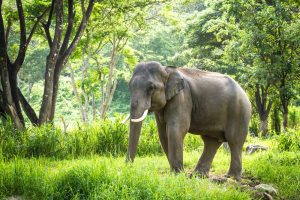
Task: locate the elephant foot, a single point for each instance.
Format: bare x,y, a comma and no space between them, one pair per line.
176,169
199,174
219,179
234,175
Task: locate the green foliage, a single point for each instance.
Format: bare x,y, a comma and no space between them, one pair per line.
73,171
33,69
106,137
96,177
280,169
294,117
121,99
105,178
289,140
149,141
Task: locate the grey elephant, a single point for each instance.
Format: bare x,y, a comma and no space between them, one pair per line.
203,103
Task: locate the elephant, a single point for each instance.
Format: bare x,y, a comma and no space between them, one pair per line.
184,100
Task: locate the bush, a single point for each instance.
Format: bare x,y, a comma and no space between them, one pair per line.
106,137
289,141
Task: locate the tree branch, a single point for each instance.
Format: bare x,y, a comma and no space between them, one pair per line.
39,18
22,45
46,26
81,28
71,16
48,36
50,14
20,59
27,108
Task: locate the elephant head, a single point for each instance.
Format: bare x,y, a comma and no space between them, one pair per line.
151,87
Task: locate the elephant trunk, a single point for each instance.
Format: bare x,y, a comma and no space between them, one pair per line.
138,113
135,131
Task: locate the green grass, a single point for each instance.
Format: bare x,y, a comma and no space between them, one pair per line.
106,137
107,177
89,163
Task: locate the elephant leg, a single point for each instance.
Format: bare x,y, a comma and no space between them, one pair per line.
162,133
175,147
235,169
211,146
236,136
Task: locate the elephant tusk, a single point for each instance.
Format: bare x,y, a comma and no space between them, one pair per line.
126,119
141,118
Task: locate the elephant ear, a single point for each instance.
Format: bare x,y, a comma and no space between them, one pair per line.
174,84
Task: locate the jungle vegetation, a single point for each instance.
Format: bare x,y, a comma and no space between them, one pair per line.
64,71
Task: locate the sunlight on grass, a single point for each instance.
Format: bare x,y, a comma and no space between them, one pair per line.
106,178
45,163
147,178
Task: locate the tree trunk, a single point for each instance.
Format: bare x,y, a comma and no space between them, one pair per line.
65,125
111,83
28,109
47,103
14,91
77,94
46,106
8,105
86,104
263,108
108,100
284,97
276,120
83,76
94,106
285,118
263,126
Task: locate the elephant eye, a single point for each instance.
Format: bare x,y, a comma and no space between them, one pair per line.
151,87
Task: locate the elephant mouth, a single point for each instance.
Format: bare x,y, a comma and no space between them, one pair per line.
152,109
141,118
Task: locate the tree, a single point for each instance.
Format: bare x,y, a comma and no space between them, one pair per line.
287,60
9,68
253,42
112,25
268,30
61,47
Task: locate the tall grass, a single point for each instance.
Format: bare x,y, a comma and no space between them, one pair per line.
88,163
280,169
107,137
104,137
289,140
105,178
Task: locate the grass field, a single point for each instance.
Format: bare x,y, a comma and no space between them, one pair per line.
44,163
98,177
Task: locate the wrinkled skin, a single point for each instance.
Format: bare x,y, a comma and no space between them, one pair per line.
208,104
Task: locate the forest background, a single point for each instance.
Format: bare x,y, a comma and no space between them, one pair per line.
66,65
